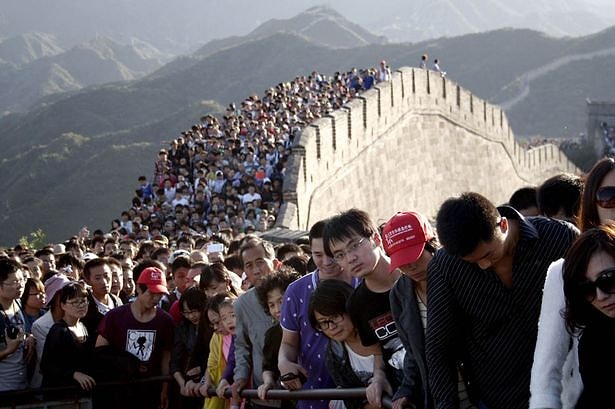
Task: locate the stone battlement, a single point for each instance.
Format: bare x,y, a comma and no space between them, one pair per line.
409,144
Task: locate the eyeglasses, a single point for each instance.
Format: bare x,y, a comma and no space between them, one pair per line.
14,283
605,197
79,303
605,282
330,323
190,312
341,255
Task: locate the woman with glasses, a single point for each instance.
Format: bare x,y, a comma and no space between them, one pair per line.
555,380
33,301
66,357
350,364
589,287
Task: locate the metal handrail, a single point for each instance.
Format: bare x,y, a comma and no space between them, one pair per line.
306,394
276,394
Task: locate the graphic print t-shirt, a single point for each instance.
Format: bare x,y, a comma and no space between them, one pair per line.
145,340
371,313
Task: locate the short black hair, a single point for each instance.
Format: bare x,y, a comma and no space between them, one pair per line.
159,252
464,222
93,263
560,192
186,239
345,225
299,263
44,252
181,262
232,262
8,266
317,230
287,248
74,289
523,198
330,298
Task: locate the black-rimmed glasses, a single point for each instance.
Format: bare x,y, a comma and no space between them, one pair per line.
330,322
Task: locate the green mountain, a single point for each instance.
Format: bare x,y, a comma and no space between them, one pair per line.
42,73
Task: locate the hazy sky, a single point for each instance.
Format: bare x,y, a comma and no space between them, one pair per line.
179,25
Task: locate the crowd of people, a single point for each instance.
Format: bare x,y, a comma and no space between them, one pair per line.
608,139
224,175
565,144
489,307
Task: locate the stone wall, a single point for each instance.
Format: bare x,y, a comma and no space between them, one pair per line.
598,112
408,144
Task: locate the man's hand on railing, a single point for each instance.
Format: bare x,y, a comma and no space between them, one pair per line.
375,389
85,381
191,388
262,390
237,387
303,394
289,382
204,387
186,388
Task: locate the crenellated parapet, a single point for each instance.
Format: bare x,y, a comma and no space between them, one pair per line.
408,144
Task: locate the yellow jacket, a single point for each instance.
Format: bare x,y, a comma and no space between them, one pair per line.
215,366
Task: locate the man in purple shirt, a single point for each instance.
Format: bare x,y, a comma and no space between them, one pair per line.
302,351
145,331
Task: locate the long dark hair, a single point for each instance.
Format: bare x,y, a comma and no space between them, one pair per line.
588,214
215,272
194,298
579,312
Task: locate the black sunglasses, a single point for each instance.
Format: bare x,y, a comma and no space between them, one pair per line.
605,197
605,282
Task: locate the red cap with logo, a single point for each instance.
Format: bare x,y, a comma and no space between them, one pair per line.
154,279
404,237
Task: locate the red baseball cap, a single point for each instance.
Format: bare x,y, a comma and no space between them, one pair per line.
404,237
154,279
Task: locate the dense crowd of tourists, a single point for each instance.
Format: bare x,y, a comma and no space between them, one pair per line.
490,306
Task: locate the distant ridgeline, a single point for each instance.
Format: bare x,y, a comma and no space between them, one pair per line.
409,144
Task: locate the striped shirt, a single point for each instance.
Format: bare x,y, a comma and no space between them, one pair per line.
474,318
